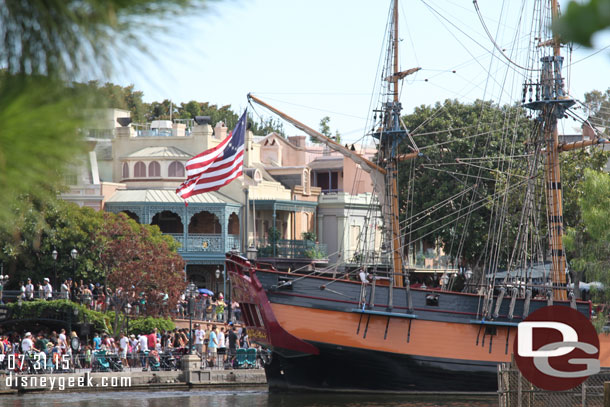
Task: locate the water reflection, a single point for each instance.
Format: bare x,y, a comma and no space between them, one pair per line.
241,398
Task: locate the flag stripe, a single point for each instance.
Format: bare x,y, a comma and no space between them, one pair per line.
218,166
211,186
211,178
201,162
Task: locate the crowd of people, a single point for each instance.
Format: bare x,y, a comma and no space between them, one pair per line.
94,296
99,298
209,308
214,345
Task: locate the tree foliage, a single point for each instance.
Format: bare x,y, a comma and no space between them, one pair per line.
112,249
598,104
581,21
448,135
141,263
44,48
588,243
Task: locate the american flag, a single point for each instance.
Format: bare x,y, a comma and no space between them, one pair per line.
216,167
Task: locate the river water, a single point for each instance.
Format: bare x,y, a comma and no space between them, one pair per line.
238,398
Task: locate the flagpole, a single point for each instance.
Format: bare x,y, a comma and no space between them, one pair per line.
245,246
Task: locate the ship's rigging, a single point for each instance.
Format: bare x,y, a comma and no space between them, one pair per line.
512,171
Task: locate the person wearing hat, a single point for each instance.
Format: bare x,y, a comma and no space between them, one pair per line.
47,289
29,290
27,344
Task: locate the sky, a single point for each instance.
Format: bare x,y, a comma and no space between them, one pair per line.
316,58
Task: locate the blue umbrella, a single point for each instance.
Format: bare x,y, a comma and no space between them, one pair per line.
205,291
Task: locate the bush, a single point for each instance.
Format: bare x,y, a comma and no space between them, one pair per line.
146,325
100,322
60,310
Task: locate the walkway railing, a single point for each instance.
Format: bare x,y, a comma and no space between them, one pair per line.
293,249
48,362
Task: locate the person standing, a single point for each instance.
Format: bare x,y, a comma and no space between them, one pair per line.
133,349
123,348
27,344
244,343
212,346
47,289
65,290
21,291
199,337
152,339
232,342
62,341
143,339
97,341
29,290
222,347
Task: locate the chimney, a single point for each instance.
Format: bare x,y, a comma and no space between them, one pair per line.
298,141
220,131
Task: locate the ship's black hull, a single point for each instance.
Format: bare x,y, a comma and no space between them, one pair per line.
343,369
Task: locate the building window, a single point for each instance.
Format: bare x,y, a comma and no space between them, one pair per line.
154,169
327,181
176,169
139,171
125,170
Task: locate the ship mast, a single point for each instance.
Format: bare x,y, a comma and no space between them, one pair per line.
393,163
552,102
390,135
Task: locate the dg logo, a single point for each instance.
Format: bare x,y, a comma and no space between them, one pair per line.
557,348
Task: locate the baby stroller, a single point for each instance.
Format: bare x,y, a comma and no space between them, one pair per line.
34,362
100,362
115,363
168,362
153,361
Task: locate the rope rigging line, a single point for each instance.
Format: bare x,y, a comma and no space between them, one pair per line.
481,203
493,41
474,209
430,210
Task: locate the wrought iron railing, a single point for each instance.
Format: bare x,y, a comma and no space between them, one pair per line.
207,242
293,249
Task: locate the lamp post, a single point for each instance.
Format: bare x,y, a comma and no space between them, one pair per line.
54,256
3,281
74,254
190,293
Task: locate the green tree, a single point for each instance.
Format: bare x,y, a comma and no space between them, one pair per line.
45,47
449,135
581,21
588,243
599,108
325,130
112,249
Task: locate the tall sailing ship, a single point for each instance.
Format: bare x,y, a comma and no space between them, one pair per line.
360,334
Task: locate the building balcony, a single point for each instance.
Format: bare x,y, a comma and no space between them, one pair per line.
292,249
206,243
